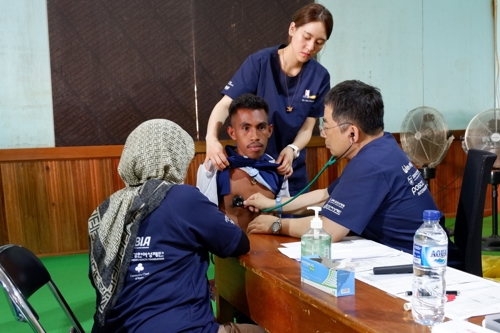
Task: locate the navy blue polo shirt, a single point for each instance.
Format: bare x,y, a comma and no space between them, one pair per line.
166,288
380,195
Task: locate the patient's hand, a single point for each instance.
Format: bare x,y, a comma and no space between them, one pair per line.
216,155
285,159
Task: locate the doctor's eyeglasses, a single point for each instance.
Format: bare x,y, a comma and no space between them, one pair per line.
323,129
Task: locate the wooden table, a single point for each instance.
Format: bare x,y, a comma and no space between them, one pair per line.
265,285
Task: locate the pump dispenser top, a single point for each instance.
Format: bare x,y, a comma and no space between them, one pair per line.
316,241
316,222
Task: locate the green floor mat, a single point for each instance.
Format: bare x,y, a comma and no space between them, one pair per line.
70,274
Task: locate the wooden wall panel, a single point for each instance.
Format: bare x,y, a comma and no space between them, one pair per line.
46,204
62,219
3,219
445,188
47,194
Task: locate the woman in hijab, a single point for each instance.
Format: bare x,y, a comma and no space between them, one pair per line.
149,249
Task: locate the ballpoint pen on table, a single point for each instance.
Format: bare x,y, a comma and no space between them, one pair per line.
448,292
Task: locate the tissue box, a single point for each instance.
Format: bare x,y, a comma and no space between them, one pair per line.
323,274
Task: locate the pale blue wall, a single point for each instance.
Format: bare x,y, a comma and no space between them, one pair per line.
26,118
437,53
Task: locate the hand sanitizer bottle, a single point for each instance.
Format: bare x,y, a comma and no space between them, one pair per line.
316,241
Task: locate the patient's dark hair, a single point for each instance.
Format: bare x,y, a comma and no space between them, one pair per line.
247,101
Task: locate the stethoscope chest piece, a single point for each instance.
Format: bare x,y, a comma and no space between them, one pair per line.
237,201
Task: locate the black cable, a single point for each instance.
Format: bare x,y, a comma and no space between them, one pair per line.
442,188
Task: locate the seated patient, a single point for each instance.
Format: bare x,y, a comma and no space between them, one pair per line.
250,169
149,249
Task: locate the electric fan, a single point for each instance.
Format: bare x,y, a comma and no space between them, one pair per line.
425,139
483,132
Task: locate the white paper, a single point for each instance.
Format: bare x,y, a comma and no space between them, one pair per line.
349,248
478,296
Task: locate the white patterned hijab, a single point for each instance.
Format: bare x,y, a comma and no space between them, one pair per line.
157,149
156,156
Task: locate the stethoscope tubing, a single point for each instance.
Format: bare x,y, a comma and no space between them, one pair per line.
331,161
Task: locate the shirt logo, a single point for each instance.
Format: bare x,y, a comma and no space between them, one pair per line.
228,85
332,209
148,256
307,97
142,242
406,167
228,220
139,268
413,178
420,188
336,203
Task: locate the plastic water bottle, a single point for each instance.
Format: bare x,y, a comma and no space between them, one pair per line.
316,241
430,255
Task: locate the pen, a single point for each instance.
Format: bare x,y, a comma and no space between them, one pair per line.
448,292
398,269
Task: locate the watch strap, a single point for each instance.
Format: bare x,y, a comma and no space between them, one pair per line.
296,150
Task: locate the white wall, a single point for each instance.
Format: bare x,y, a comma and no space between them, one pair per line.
437,53
26,118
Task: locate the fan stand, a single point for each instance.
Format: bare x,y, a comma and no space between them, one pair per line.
492,243
427,174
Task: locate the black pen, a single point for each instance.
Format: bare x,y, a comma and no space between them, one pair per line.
397,269
448,292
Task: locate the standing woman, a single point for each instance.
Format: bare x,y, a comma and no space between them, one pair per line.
292,83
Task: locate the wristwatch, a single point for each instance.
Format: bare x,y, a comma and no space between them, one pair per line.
296,150
276,226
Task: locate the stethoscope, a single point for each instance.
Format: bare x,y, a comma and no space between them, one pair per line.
331,161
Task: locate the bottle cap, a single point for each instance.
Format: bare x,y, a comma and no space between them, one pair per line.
316,222
432,214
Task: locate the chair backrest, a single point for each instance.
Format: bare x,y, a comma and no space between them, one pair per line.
21,275
469,219
24,268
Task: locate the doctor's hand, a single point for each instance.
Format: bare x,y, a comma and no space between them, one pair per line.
261,224
258,201
286,161
216,154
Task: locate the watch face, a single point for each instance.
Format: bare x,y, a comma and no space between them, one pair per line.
276,226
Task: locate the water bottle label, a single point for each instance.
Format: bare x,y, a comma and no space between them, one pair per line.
430,256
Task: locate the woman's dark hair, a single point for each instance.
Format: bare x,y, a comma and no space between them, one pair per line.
314,12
